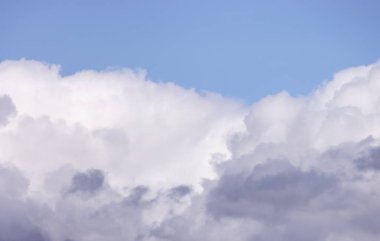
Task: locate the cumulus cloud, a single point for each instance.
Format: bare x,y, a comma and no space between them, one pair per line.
113,156
138,131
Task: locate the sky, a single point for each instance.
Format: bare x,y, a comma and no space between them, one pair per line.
242,49
189,121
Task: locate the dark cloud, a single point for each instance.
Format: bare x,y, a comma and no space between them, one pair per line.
135,198
370,159
12,182
179,191
7,108
267,191
16,219
367,219
19,233
87,182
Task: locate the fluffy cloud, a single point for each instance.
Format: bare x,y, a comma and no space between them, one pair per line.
113,156
138,131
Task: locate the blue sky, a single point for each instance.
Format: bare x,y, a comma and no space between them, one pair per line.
111,156
242,49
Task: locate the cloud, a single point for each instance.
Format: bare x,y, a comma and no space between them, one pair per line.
7,108
88,143
15,221
87,182
180,191
370,160
137,131
304,169
113,156
268,191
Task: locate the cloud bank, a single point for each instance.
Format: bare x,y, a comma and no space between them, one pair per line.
111,155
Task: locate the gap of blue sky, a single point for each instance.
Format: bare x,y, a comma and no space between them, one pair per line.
242,49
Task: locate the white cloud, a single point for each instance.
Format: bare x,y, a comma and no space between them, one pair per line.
299,168
140,132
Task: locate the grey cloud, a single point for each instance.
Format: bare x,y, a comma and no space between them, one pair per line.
87,182
16,213
19,233
179,191
12,182
260,194
136,196
30,219
370,160
7,108
286,202
367,219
